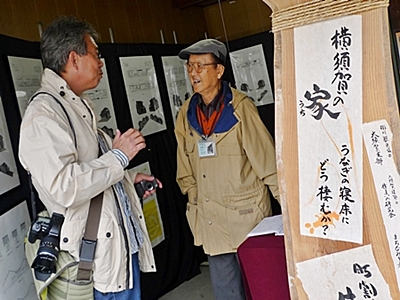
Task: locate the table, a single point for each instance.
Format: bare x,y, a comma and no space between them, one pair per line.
263,262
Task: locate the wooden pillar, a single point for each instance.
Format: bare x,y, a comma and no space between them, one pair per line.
379,102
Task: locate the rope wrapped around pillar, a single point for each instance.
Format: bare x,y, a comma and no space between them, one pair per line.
319,10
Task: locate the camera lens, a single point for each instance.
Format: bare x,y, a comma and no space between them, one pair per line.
149,186
45,261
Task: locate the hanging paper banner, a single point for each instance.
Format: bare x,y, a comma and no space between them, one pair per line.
351,274
378,142
328,59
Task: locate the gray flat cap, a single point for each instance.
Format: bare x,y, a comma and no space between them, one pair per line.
205,46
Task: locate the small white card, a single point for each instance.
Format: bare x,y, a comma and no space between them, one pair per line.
207,148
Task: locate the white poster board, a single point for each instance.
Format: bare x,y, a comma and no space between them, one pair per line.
8,169
16,279
328,72
178,83
26,75
143,94
151,211
251,74
104,109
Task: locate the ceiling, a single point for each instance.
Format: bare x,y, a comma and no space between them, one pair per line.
189,3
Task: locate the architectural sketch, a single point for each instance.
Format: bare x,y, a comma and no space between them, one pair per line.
103,105
143,94
16,280
4,168
27,76
2,147
328,72
8,170
251,74
178,83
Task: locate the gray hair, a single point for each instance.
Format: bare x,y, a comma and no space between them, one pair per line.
63,35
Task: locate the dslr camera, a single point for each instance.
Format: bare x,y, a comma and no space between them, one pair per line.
145,185
47,230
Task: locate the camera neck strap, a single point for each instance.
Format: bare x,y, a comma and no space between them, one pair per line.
31,187
89,241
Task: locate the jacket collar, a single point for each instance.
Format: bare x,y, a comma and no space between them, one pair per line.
54,83
227,119
51,80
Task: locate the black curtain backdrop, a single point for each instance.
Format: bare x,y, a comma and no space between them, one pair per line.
177,259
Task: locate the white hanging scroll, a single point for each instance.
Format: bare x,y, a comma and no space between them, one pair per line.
351,274
16,278
178,83
8,169
329,105
27,76
101,96
143,94
378,142
251,74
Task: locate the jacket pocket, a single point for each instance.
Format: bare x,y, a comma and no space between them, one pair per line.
192,215
235,201
243,214
230,149
108,252
71,237
189,147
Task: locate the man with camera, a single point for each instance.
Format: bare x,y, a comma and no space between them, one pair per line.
71,161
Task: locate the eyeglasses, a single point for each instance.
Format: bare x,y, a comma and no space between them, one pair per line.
96,54
197,66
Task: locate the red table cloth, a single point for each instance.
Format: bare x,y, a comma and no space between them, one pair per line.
263,262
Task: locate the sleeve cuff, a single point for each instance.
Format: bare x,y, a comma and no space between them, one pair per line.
123,159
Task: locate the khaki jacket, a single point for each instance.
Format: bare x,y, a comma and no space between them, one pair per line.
227,193
67,177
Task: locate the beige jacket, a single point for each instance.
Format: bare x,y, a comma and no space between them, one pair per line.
67,177
227,193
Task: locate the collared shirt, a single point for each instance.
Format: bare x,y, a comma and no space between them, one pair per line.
214,105
135,233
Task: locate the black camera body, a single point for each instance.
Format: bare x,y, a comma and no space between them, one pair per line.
48,231
145,185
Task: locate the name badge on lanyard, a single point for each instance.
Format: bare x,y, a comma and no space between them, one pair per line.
207,148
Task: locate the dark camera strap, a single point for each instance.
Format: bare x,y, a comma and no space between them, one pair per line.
33,197
89,240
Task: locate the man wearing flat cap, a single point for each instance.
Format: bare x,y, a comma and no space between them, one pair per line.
226,157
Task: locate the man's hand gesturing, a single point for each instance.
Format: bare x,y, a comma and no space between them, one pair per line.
130,142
